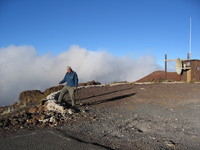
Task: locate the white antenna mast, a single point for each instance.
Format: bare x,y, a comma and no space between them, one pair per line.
190,36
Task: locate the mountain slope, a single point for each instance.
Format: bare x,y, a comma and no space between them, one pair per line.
159,76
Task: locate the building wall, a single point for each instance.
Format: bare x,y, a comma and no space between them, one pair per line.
195,71
184,76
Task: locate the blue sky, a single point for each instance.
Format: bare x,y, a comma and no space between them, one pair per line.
131,28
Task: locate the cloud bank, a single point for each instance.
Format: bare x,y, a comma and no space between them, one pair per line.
22,69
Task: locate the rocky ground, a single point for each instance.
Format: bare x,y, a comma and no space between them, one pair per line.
120,116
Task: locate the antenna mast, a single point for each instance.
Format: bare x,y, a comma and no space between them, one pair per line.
190,38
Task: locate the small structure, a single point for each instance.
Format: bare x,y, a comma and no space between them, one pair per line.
192,74
188,69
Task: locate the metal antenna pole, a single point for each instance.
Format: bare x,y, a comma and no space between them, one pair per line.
190,36
166,67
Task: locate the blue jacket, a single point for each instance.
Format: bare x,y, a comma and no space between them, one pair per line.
71,79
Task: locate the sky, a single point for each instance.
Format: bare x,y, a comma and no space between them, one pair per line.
103,40
122,27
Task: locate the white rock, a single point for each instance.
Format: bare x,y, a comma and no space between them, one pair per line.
52,95
52,119
52,106
70,111
170,143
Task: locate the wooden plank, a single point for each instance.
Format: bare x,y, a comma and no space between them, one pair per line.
176,59
170,60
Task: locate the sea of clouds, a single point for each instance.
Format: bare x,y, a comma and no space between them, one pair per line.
21,68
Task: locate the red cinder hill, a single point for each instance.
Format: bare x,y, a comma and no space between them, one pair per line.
159,76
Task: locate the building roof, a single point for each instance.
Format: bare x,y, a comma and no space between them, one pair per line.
192,60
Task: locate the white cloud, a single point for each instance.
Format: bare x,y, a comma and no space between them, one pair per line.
22,69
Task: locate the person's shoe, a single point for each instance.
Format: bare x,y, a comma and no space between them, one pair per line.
62,104
57,102
75,109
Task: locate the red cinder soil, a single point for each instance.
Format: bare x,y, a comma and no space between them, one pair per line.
159,76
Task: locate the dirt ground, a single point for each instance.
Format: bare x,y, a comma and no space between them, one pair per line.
133,117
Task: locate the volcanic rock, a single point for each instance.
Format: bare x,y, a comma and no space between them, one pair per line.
89,83
40,117
93,83
14,122
37,95
45,113
30,96
52,89
41,109
33,110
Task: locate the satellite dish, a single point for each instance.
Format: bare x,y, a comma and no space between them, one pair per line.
178,66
